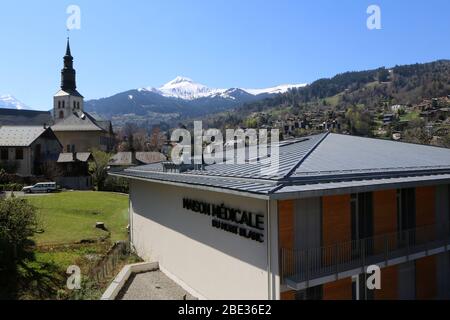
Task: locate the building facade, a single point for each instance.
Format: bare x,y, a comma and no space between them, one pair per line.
336,205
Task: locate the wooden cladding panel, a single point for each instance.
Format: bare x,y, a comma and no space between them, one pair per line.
389,284
286,224
287,295
384,212
338,290
384,217
336,219
426,278
425,206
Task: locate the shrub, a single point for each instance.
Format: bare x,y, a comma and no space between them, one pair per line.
11,187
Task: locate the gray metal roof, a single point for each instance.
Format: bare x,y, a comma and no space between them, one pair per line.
319,162
20,136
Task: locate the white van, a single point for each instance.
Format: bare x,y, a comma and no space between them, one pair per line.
41,187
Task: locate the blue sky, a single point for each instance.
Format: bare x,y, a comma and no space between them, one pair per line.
220,43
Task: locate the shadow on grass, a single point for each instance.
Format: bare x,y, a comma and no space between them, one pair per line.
29,279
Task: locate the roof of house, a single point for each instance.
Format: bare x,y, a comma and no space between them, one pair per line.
77,122
20,136
14,117
126,159
69,157
315,164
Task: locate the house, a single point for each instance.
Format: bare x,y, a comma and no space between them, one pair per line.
76,129
26,150
123,160
308,229
74,170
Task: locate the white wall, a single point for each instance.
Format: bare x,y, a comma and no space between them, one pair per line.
215,263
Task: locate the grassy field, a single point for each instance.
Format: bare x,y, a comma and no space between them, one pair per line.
69,217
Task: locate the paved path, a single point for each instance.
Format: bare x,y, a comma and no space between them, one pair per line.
22,194
153,285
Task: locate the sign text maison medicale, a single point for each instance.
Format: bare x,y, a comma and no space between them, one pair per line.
229,219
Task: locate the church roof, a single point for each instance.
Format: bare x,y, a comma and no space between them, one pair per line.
67,92
77,122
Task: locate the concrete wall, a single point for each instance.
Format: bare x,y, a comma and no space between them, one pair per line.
214,263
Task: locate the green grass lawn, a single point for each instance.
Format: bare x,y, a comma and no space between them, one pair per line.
71,216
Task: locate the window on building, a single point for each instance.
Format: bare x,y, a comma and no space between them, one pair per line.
19,154
406,212
4,154
74,104
78,105
361,223
59,104
63,104
362,215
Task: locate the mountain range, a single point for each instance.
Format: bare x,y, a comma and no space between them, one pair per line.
177,99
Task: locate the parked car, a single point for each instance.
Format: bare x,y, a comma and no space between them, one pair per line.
41,187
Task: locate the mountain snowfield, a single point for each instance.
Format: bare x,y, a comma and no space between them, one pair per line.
186,89
8,101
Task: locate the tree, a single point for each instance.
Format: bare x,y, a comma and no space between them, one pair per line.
99,168
18,222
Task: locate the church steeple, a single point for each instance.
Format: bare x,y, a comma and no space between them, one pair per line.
68,74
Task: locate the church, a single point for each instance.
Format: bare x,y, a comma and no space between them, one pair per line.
77,130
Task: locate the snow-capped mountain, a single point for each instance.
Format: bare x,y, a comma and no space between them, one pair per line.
9,102
186,89
177,99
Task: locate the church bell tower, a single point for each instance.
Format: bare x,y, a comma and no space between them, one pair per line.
67,100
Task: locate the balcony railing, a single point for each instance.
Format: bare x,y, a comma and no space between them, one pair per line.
303,266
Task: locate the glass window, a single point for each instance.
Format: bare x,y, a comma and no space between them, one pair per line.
19,154
4,154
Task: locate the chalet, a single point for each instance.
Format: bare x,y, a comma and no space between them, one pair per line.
26,149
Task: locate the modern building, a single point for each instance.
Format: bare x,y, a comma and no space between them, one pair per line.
307,230
25,150
77,130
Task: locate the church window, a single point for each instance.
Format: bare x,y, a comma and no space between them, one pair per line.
59,104
63,104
